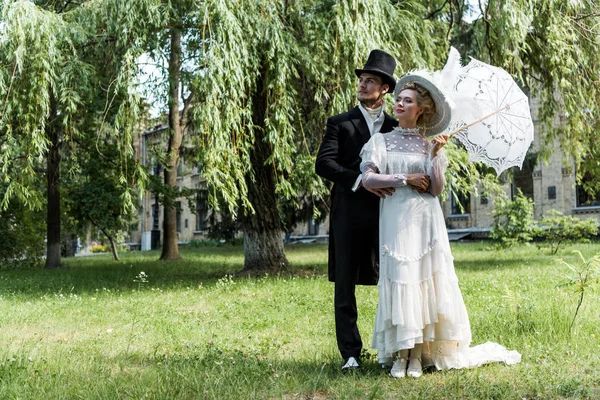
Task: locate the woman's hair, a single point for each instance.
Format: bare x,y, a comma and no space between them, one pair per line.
423,100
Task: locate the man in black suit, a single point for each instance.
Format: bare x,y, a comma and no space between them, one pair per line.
354,217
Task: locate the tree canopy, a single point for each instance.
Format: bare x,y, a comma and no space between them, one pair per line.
250,83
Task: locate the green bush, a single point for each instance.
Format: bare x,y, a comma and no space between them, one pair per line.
513,220
98,248
203,243
558,229
22,233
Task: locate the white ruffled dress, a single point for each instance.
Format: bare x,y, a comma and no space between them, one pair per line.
419,297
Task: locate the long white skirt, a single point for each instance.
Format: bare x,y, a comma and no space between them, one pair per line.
419,297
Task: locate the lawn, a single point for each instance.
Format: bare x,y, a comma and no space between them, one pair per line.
100,329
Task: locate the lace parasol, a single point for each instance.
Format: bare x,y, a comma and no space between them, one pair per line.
491,113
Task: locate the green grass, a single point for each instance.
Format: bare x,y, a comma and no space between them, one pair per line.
94,331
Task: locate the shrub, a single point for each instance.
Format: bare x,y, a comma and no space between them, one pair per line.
22,232
558,229
98,248
582,277
513,220
204,243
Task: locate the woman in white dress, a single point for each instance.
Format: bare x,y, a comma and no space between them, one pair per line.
421,318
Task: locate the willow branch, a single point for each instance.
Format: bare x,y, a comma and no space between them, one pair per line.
590,15
433,13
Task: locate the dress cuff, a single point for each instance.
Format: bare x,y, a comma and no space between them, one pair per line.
401,179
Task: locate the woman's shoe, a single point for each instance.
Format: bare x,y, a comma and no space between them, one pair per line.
399,368
415,369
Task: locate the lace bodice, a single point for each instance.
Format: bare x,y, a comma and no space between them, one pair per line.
388,158
406,141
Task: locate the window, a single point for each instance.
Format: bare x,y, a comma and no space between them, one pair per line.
156,167
583,198
155,216
201,210
313,227
551,192
523,177
514,191
463,200
178,207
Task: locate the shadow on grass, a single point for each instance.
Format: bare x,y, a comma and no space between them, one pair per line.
198,266
228,373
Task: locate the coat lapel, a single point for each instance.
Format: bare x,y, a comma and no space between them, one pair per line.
359,122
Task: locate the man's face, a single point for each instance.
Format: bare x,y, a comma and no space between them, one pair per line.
370,89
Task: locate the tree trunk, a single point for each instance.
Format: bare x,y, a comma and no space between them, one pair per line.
263,232
113,246
170,250
53,183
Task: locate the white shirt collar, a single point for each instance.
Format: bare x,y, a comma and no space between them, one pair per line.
373,124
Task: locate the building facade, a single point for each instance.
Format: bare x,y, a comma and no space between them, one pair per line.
551,185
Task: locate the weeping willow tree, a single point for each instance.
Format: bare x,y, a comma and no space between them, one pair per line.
550,47
250,83
62,65
274,71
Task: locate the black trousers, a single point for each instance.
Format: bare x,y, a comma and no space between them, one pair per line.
346,314
353,248
347,276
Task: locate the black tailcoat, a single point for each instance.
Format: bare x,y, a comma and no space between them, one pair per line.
354,216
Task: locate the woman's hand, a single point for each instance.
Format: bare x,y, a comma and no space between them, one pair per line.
438,142
419,182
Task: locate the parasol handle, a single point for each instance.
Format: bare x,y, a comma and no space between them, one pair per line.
479,120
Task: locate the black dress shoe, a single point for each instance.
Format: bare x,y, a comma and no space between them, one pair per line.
351,364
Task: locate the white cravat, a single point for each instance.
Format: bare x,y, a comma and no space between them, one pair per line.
374,118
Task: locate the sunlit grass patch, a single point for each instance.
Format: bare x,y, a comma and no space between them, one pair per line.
192,329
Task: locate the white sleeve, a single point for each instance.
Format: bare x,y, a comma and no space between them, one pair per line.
437,168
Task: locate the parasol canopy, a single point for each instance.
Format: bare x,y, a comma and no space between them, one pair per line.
493,119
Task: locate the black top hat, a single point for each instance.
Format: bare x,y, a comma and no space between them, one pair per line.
381,64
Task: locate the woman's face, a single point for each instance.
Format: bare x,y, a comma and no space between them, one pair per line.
406,108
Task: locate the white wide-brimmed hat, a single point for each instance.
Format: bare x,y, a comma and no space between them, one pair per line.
440,120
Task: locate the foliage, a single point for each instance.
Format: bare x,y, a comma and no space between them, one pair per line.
22,232
223,226
267,72
276,71
523,311
62,59
551,46
99,248
513,220
203,243
583,276
558,229
468,178
96,195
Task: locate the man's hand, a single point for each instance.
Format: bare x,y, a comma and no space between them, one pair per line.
419,182
382,192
